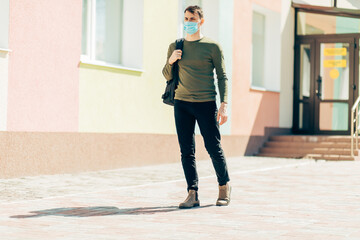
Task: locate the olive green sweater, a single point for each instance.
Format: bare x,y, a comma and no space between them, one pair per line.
196,71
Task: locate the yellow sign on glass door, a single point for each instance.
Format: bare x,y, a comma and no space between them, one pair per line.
334,73
335,63
335,52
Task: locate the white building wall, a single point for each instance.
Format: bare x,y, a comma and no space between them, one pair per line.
287,64
218,25
226,20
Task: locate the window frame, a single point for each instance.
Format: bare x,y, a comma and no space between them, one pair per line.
4,26
253,85
272,76
90,56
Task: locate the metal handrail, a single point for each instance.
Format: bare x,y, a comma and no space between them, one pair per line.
355,120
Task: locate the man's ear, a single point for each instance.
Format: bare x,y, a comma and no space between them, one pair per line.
202,21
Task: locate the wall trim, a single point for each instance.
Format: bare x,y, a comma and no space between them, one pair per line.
43,153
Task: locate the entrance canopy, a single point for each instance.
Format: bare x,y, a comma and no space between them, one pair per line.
346,8
347,4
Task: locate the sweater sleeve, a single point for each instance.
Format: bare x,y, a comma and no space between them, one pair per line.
219,64
168,69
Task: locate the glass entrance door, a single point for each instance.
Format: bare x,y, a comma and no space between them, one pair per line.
304,96
324,87
333,85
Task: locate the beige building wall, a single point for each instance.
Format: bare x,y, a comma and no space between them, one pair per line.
123,101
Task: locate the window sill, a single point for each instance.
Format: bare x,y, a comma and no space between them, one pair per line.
109,65
5,50
261,89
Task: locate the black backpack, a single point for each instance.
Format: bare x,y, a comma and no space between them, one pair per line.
171,85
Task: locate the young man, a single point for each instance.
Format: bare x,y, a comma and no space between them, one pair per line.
195,101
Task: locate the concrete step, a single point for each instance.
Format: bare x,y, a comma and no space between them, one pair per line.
310,138
309,156
308,144
331,157
281,155
304,151
332,148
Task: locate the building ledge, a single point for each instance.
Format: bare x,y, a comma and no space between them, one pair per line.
261,89
109,65
353,13
5,50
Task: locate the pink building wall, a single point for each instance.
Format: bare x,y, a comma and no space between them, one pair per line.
252,110
45,36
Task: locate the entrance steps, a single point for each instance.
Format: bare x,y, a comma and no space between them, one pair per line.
332,148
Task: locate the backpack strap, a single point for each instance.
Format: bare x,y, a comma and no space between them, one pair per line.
179,43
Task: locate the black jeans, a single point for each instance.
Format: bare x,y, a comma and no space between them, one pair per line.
205,113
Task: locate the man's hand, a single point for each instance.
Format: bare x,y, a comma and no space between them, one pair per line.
175,56
222,113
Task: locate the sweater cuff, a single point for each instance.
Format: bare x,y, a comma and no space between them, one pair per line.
169,66
223,99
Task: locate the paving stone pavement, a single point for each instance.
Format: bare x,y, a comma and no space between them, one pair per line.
271,199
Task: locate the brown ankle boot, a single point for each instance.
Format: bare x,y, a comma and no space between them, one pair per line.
224,195
191,200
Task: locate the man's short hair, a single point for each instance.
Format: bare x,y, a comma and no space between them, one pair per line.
195,9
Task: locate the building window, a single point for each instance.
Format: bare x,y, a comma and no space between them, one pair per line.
85,28
312,23
112,32
258,49
4,24
266,49
350,4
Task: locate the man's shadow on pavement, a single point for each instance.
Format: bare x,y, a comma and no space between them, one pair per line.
101,211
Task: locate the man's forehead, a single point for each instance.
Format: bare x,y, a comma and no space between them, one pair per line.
189,14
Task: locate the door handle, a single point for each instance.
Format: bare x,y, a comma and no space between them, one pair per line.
319,83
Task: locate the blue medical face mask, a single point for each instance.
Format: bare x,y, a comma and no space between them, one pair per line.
191,27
